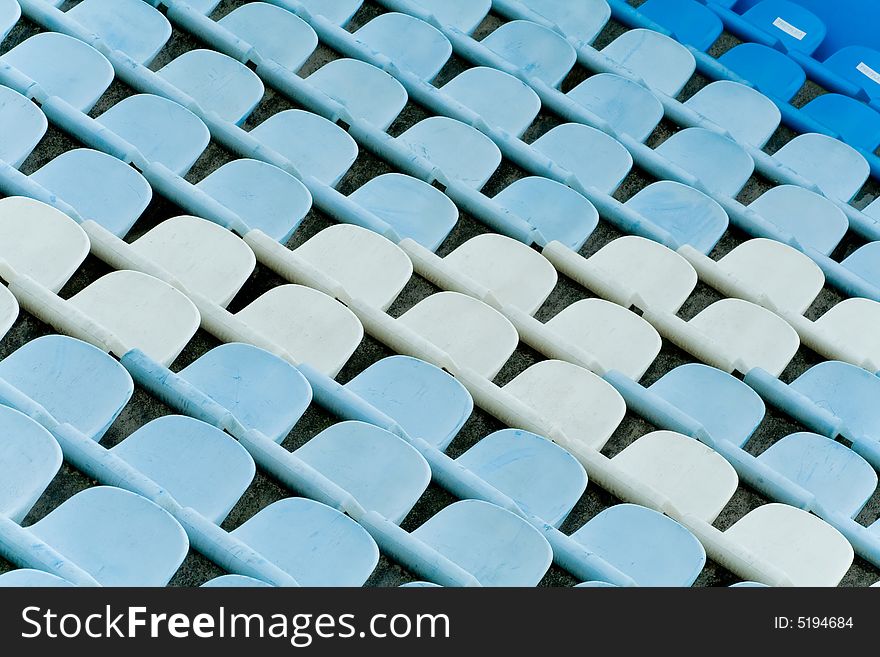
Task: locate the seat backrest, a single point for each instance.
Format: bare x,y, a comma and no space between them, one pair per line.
717,161
838,169
853,323
663,63
8,310
865,262
410,43
747,114
277,34
10,12
771,71
502,100
533,48
855,122
26,577
860,65
130,26
812,219
464,15
582,21
690,22
796,27
23,125
628,107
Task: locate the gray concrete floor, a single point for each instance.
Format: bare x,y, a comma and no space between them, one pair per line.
143,408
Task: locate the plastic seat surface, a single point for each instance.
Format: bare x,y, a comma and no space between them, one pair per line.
838,169
718,162
77,383
494,545
649,547
771,71
369,93
583,405
23,125
315,544
796,27
29,460
98,186
502,100
119,538
812,219
263,196
160,129
316,146
627,106
338,11
277,34
856,123
234,582
853,323
690,22
581,20
413,208
130,26
424,400
464,15
8,310
727,408
461,152
382,472
538,50
25,577
747,114
216,82
541,477
10,12
865,262
408,42
859,65
63,67
640,50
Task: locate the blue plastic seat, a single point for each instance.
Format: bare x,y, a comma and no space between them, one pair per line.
263,196
410,43
582,21
461,152
216,82
724,405
502,100
838,169
338,11
277,34
534,48
812,219
627,106
663,63
317,545
649,547
541,477
859,65
771,71
796,27
841,480
98,186
77,383
235,582
688,215
64,67
423,399
496,546
25,577
10,12
690,22
719,162
369,93
856,123
557,211
316,146
420,585
865,262
464,15
161,130
596,159
595,585
130,26
410,206
747,114
23,125
382,472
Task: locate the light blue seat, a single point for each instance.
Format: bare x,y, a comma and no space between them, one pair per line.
812,219
663,63
29,460
276,33
771,71
747,114
464,15
627,106
235,582
496,546
423,399
856,123
64,67
316,146
119,538
200,466
130,26
541,477
203,6
216,82
461,152
420,585
317,545
98,186
10,12
538,50
338,11
26,577
595,585
719,162
841,480
649,547
690,22
688,215
412,207
381,471
410,43
161,130
23,125
502,100
796,27
369,93
77,383
263,196
728,408
596,159
582,21
838,169
557,211
262,391
859,65
865,262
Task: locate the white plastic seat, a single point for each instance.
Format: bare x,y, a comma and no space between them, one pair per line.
474,334
854,323
584,406
812,219
464,15
719,162
8,310
276,33
410,43
582,21
747,114
662,62
130,26
627,106
838,169
23,125
502,100
534,48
